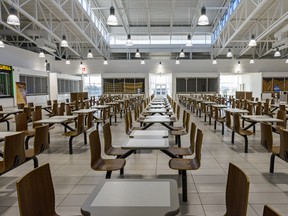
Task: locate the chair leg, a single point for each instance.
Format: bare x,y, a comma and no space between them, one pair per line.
35,160
122,171
215,124
222,128
115,118
209,120
8,125
108,174
205,118
176,140
110,121
48,137
184,185
85,138
70,145
232,137
272,161
246,144
179,141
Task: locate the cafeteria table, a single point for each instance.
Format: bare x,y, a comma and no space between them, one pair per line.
130,197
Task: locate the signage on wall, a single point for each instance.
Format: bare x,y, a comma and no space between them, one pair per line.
276,89
5,67
21,93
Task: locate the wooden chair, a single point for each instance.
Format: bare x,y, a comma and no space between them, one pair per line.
114,110
268,211
283,152
79,130
27,111
181,127
54,111
98,163
35,193
89,123
61,109
21,125
258,108
266,110
280,125
179,133
228,120
237,192
267,143
13,154
20,106
218,119
131,122
183,165
240,131
5,120
109,149
102,119
41,143
31,105
188,150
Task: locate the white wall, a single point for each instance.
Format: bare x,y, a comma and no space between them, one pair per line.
252,82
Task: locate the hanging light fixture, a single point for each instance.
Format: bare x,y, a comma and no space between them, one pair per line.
46,62
89,54
203,19
214,61
67,62
252,42
287,61
2,45
189,41
112,19
277,53
251,61
13,18
64,42
105,62
41,54
129,41
142,61
177,61
182,54
229,54
137,54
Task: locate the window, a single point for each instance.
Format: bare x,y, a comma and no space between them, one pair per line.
68,86
124,85
92,85
5,84
35,85
192,85
181,85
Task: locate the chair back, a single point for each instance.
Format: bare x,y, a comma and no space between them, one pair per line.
31,104
187,122
95,148
21,122
192,137
184,114
80,123
198,147
282,107
250,109
237,191
178,112
27,111
68,110
89,120
127,126
1,109
107,137
20,105
268,211
236,120
36,116
61,109
228,119
35,193
266,107
258,108
281,115
13,154
41,140
86,104
39,107
283,154
49,103
266,136
54,109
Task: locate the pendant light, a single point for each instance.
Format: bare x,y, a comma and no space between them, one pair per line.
142,62
129,41
214,61
251,61
13,18
68,62
189,41
203,19
229,54
252,42
105,62
41,54
89,55
112,19
277,53
137,54
2,45
287,61
64,42
182,54
177,61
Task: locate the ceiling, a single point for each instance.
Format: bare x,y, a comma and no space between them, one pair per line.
44,22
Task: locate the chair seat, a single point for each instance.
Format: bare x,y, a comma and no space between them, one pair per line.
245,132
176,128
116,151
71,133
221,120
276,150
1,166
183,164
29,133
180,151
29,153
178,132
109,164
277,128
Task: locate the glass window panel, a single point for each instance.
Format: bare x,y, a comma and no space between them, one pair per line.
212,84
191,85
180,85
38,85
201,85
30,85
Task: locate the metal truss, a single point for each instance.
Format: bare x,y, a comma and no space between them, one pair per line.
248,19
49,20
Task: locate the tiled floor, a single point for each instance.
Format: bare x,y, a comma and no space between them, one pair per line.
74,180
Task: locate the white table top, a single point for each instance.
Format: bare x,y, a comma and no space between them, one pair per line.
101,106
236,110
3,134
11,111
67,117
148,134
219,106
84,111
157,119
154,143
252,116
131,197
267,119
156,110
51,121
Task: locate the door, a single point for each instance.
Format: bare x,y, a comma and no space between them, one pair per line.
160,90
